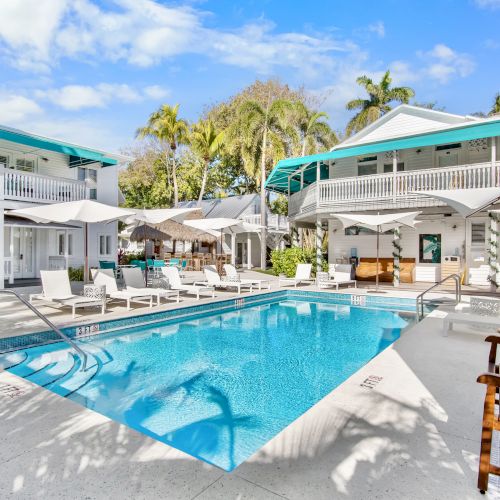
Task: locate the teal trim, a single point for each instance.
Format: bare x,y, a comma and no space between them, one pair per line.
278,179
77,155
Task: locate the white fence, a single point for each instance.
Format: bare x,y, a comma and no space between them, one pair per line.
274,221
394,189
27,186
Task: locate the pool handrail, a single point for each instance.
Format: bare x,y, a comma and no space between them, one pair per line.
54,328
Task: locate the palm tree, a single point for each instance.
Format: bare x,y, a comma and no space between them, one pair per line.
380,95
262,132
314,132
495,110
170,131
207,143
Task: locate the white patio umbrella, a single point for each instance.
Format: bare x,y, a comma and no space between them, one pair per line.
379,223
86,211
467,202
220,225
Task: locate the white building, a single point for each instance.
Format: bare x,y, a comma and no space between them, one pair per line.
36,170
380,169
247,208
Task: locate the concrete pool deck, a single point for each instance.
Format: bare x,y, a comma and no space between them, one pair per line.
407,425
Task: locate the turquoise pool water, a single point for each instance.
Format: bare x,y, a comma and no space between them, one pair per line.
219,386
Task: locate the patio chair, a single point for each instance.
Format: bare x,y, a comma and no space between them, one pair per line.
138,263
213,279
175,283
106,278
302,274
107,264
56,289
134,282
232,273
338,274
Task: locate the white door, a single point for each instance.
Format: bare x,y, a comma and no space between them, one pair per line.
23,255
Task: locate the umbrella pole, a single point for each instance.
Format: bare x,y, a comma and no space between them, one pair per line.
86,250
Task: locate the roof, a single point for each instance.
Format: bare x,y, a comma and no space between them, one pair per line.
78,155
402,128
231,207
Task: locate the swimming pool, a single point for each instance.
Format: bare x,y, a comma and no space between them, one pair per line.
218,385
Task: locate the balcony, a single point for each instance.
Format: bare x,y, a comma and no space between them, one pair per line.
277,223
36,188
386,191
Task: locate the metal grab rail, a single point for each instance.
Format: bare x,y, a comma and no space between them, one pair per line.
458,293
81,352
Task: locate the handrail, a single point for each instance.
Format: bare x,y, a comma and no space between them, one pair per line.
458,293
81,352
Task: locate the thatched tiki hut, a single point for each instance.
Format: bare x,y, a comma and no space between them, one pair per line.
181,232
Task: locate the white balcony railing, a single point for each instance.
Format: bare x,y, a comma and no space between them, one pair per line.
274,222
27,186
387,190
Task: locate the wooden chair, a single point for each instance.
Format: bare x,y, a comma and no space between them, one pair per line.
491,421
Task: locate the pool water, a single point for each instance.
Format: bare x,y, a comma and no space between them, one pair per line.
220,386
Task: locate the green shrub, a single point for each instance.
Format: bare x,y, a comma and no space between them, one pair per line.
285,261
127,257
75,273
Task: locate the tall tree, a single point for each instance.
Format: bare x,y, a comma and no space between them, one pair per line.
207,143
262,129
314,132
165,127
380,97
495,110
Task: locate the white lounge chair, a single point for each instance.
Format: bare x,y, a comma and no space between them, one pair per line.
134,282
106,277
213,279
232,273
56,289
469,319
338,274
302,274
175,283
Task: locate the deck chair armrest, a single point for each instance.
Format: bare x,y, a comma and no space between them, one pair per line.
494,339
489,379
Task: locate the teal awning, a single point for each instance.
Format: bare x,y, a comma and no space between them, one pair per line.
278,179
78,156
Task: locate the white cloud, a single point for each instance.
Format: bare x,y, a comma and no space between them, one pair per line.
443,63
145,32
75,97
488,4
16,108
378,28
156,92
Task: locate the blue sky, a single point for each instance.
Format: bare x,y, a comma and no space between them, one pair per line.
91,71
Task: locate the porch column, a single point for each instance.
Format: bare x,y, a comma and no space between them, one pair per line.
319,241
11,253
494,180
467,250
66,243
301,179
233,249
318,178
394,173
493,258
249,251
396,253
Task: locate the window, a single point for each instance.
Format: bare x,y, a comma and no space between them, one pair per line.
105,244
87,174
367,165
93,194
388,167
25,165
444,147
478,233
4,161
70,244
60,244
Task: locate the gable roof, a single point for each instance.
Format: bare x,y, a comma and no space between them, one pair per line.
231,207
430,128
406,120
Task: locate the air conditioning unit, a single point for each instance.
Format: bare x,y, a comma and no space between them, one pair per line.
451,258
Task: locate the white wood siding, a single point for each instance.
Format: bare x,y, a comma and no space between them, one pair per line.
344,167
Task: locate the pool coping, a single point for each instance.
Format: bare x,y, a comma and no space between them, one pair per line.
92,327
